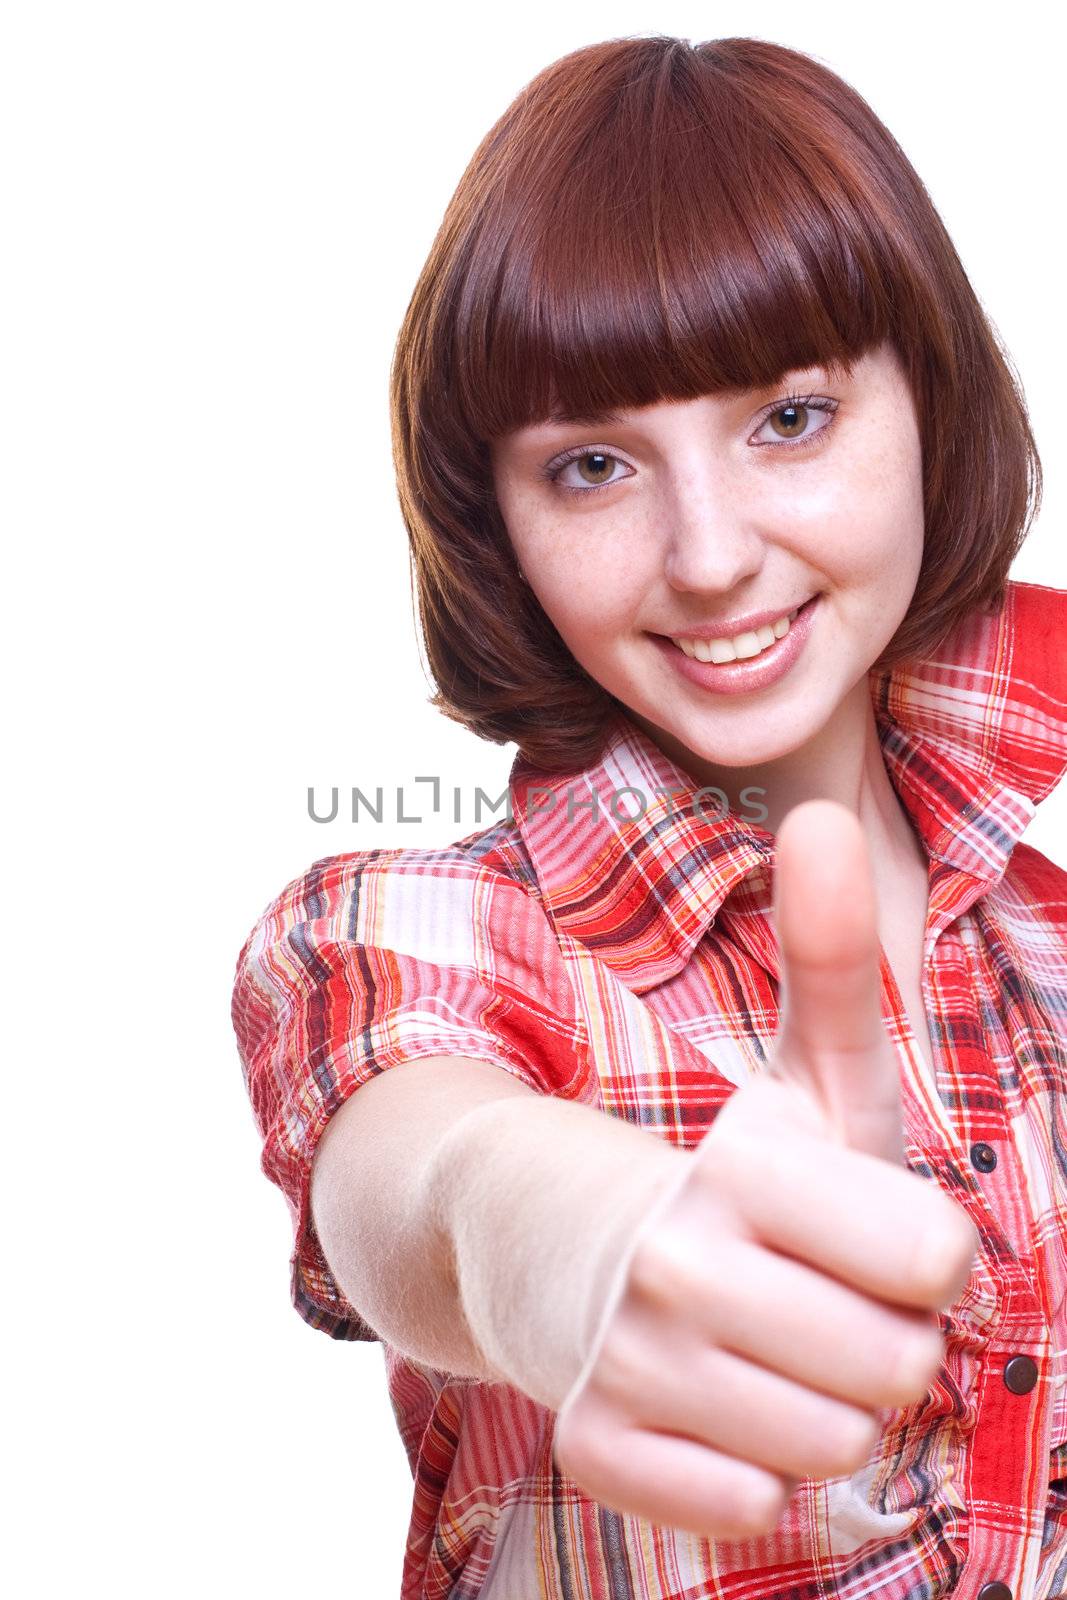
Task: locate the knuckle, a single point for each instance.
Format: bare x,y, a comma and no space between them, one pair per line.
970,1243
942,1254
859,1439
647,1269
913,1363
662,1272
732,1145
960,1235
566,1446
758,1506
582,1450
622,1365
845,1442
648,1273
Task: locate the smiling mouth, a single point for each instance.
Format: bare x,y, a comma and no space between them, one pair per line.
746,646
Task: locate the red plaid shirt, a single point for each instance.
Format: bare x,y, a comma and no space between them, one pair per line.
625,957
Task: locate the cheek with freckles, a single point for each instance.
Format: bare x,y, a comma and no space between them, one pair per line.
590,584
592,610
860,525
891,548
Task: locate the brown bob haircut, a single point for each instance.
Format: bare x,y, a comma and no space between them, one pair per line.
656,220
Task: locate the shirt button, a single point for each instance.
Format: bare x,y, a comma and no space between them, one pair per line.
1020,1375
984,1157
994,1591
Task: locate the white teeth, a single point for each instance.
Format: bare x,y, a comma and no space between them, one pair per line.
740,648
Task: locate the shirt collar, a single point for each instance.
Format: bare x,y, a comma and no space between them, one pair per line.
634,861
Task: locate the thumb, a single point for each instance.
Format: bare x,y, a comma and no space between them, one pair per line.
831,1042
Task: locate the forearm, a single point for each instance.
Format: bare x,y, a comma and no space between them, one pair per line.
537,1200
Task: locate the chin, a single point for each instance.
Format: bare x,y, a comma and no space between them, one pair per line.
753,732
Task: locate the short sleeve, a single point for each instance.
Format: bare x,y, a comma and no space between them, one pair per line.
376,957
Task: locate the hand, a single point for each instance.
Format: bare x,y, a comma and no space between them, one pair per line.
781,1293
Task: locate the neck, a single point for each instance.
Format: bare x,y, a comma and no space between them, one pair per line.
843,762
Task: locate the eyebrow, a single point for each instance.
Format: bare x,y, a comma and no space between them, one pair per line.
587,419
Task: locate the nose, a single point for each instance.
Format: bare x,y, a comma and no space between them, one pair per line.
712,544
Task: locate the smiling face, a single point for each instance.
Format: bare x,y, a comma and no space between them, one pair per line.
691,517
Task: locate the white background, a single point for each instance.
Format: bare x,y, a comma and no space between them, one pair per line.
214,215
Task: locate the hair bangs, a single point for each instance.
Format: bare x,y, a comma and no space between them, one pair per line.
673,240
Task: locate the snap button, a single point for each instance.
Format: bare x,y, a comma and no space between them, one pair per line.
1020,1374
994,1591
984,1157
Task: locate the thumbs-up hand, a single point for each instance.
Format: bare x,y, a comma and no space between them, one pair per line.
780,1294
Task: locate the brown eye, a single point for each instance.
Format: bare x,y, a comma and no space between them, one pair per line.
796,422
794,419
599,466
596,469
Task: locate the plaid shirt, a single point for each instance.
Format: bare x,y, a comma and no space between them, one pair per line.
625,957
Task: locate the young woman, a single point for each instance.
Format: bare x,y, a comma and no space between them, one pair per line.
714,1227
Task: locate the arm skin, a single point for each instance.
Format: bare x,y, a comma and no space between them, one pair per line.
476,1224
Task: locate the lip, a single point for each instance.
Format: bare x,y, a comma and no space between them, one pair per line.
736,625
741,677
